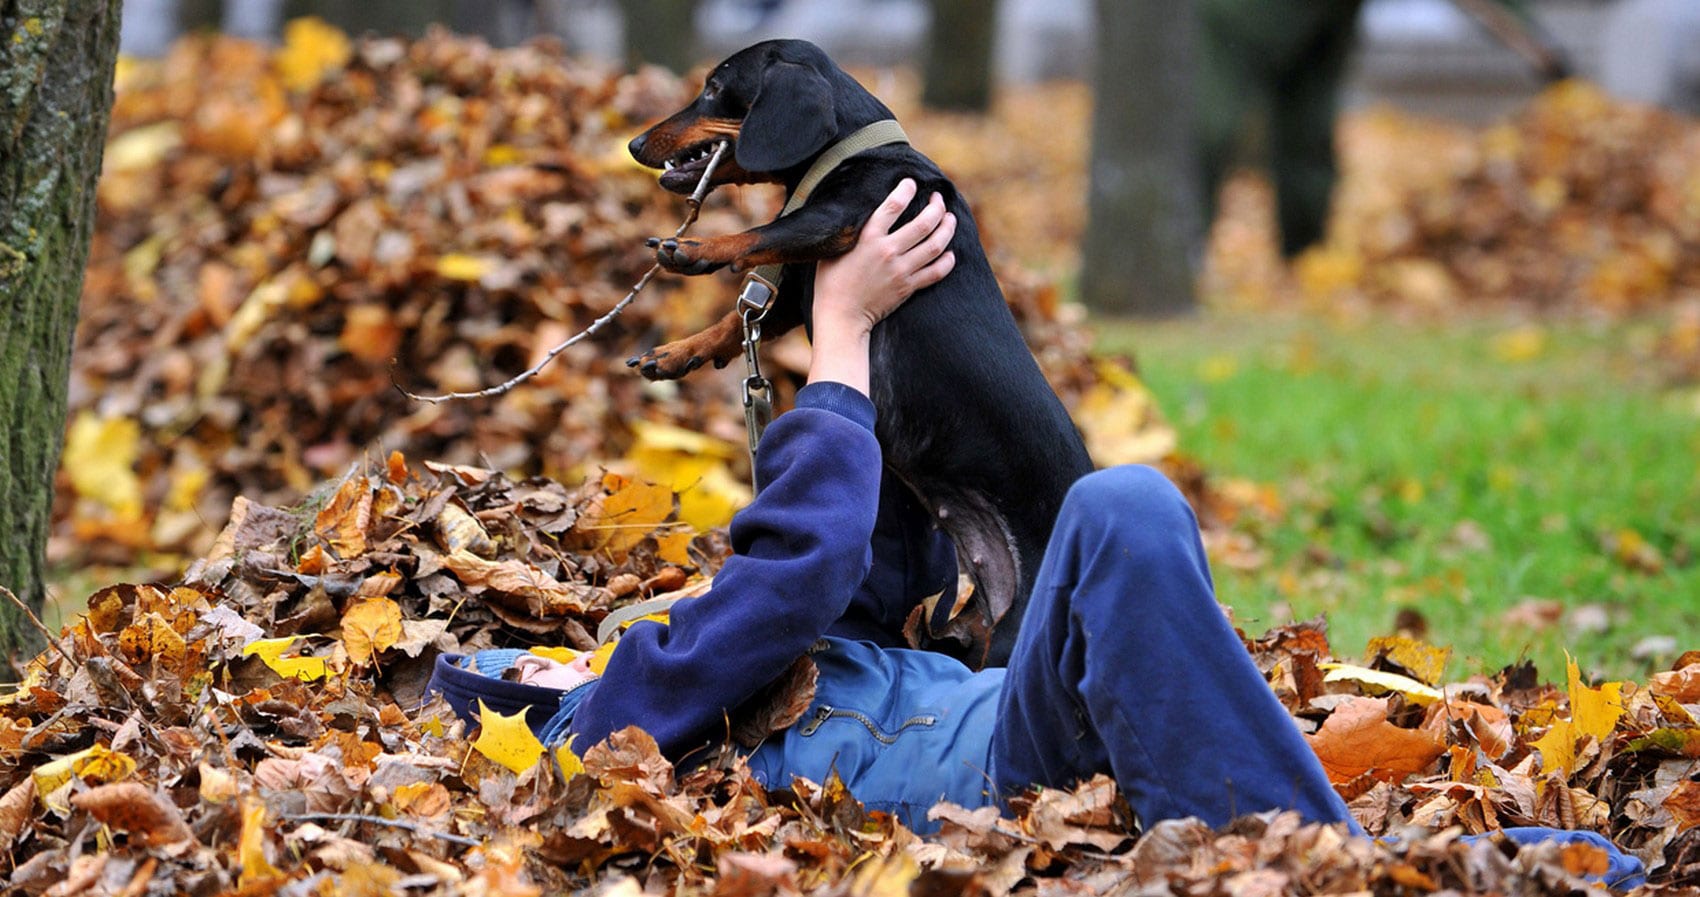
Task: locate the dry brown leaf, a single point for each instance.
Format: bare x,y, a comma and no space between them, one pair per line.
370,625
134,808
1682,684
1357,738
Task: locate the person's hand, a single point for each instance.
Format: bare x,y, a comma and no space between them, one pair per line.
858,289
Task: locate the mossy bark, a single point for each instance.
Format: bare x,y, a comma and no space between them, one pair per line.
56,62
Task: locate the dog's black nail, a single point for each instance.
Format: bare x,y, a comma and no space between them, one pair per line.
693,364
652,242
720,363
634,361
670,245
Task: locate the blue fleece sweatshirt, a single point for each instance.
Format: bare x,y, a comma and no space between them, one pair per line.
801,550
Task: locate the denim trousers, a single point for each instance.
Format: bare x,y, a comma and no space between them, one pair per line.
1125,665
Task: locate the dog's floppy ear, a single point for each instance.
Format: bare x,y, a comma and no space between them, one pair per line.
791,119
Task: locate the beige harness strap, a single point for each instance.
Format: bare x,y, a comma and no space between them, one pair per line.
880,133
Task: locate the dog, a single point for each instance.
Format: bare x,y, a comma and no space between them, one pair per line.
966,419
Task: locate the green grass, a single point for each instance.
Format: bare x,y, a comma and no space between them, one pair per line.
1434,467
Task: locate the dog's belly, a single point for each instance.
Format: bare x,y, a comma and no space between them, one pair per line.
968,421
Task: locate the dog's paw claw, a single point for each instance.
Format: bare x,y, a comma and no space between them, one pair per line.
652,242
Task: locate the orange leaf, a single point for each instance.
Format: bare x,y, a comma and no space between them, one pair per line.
1684,805
1358,739
1683,684
345,520
370,625
627,515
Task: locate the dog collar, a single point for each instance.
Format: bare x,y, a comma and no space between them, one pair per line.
881,133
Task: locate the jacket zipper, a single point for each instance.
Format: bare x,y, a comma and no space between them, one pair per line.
827,711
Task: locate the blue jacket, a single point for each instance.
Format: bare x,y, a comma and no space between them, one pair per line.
803,567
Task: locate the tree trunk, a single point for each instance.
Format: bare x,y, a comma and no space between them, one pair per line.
958,74
1143,233
661,32
56,59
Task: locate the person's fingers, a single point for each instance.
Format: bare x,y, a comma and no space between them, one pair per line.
922,224
934,272
928,249
885,214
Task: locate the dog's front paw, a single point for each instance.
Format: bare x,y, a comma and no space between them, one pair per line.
666,362
682,256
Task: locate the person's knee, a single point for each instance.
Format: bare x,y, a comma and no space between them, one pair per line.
1130,494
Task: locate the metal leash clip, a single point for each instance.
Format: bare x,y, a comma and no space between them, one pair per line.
753,302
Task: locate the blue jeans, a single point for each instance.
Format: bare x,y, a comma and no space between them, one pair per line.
1124,665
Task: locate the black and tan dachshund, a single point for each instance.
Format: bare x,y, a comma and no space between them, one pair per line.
966,419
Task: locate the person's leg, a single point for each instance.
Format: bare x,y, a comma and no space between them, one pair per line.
1126,665
1306,105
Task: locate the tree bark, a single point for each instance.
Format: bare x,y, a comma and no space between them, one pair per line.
661,32
958,72
56,62
1144,234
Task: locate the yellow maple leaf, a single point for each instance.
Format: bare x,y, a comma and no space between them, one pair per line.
1120,420
312,48
270,651
370,625
251,844
1426,662
100,457
95,765
507,739
630,512
1595,711
571,765
469,268
1383,680
1557,747
694,465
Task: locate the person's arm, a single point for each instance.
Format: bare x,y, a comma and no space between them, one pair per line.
799,549
858,289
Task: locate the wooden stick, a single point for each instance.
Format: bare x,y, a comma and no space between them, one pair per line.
596,325
40,626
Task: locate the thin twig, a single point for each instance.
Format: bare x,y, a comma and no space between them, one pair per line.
695,202
40,626
402,824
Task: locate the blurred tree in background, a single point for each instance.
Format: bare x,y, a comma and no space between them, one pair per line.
958,74
1144,230
56,62
661,32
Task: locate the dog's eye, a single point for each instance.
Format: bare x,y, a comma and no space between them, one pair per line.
710,91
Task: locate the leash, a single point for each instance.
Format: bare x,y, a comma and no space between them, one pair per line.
762,284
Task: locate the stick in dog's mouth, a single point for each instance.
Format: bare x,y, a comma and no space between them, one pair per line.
681,173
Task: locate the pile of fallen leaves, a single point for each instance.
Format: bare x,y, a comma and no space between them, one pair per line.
260,728
275,226
1580,201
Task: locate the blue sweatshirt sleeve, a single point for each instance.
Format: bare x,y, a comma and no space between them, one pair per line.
799,551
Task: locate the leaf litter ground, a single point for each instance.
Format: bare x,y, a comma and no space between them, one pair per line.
290,221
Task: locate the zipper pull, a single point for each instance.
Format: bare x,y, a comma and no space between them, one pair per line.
822,714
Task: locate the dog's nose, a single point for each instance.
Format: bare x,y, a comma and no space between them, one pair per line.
636,146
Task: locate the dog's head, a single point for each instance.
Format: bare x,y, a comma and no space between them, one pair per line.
779,103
